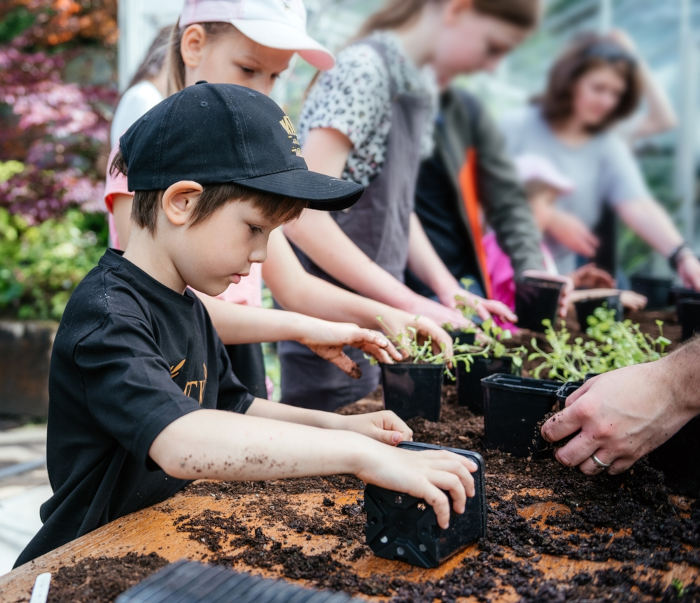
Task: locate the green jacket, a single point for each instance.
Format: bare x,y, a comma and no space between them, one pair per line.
464,125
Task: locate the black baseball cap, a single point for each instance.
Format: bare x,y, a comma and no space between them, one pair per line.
218,133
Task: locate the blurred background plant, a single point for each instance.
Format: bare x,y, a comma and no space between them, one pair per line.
58,60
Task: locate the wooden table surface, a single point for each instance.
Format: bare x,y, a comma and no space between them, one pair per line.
155,530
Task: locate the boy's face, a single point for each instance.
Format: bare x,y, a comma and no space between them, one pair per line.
219,251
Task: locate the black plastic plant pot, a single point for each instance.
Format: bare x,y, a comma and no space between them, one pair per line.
413,390
513,408
400,526
462,337
469,392
458,338
679,293
535,300
678,459
689,317
586,306
565,391
656,290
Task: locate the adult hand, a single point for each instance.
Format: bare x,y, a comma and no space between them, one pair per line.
589,276
689,270
383,426
620,417
624,40
398,321
427,475
571,232
566,290
328,341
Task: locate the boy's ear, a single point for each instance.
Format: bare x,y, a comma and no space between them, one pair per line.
192,44
179,200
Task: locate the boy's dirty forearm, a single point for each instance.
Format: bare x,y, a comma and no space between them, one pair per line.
211,444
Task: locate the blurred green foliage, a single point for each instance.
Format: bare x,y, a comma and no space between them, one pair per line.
41,265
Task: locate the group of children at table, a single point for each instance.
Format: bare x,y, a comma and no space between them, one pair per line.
211,190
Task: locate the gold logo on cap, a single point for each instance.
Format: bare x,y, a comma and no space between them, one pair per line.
288,127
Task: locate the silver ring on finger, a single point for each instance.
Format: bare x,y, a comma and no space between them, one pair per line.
600,463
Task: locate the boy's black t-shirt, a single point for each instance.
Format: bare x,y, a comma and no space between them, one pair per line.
130,357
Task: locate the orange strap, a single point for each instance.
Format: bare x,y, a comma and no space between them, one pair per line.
467,185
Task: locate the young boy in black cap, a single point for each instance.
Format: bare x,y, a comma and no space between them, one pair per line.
142,397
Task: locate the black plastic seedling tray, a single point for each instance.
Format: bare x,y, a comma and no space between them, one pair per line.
413,390
689,316
678,459
513,408
402,527
458,338
586,307
469,392
657,290
565,391
192,582
535,300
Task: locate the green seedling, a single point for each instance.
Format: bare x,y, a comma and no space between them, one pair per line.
678,587
608,345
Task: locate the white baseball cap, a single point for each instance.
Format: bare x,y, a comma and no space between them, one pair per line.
272,23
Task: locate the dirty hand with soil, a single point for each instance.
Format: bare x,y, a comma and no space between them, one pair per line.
622,415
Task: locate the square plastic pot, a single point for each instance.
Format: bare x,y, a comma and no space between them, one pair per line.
585,307
657,290
400,526
678,459
413,390
689,316
535,300
565,391
458,338
513,408
679,293
469,392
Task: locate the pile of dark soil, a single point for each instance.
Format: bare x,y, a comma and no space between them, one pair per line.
102,578
630,519
539,511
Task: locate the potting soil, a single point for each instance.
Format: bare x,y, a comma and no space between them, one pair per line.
622,533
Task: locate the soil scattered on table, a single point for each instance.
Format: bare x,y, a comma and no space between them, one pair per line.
102,578
537,508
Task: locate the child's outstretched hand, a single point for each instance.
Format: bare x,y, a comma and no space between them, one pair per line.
383,426
328,341
426,474
484,308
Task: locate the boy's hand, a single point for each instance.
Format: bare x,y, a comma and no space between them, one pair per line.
427,474
329,340
383,426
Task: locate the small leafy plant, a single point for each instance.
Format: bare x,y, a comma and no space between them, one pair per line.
609,344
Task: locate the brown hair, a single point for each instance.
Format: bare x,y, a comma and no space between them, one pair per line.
175,65
398,13
275,208
589,51
154,59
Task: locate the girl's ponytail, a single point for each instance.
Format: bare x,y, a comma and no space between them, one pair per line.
174,63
